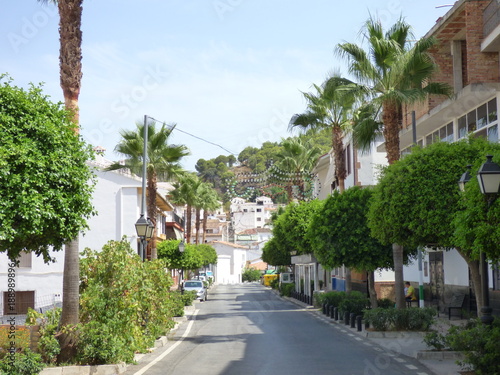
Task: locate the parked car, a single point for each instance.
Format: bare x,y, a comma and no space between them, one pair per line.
198,287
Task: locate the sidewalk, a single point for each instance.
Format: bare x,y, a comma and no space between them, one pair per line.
408,344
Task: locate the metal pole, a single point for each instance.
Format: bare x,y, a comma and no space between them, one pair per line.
143,201
419,250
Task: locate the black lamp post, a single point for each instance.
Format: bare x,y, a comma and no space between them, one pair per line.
489,183
141,227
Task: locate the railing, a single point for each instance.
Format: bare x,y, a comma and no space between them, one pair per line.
491,17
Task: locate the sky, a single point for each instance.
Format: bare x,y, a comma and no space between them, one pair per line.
231,72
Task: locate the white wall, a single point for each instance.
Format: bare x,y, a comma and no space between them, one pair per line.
456,270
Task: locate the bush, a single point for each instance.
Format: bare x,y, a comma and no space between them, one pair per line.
48,344
436,340
287,289
275,283
385,303
479,344
331,298
401,319
250,275
125,304
23,363
354,302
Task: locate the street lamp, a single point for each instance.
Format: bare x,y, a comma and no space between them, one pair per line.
150,230
488,177
182,246
141,227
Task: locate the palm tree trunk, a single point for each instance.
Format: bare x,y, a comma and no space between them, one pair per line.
205,219
197,225
70,64
391,122
339,156
189,215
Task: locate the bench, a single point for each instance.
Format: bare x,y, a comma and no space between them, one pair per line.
457,302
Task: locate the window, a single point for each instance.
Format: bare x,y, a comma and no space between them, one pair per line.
24,260
259,209
443,134
348,160
480,121
19,303
259,219
245,210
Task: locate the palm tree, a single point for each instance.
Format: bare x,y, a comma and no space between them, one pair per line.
162,162
70,72
392,74
330,107
209,201
184,193
294,162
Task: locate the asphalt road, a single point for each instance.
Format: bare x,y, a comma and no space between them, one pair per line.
247,329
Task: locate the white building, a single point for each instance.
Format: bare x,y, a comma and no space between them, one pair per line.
250,215
231,260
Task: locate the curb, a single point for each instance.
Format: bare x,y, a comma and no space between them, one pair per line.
116,369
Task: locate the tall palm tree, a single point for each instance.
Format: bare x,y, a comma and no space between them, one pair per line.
330,107
295,161
162,162
70,72
393,74
184,193
209,201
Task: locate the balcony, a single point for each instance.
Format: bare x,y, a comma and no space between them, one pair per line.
491,27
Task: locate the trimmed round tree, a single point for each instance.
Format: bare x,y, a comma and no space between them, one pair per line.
417,199
45,183
340,235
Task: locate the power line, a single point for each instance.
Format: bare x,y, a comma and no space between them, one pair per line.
194,136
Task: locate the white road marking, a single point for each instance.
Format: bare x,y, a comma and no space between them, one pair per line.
411,367
169,350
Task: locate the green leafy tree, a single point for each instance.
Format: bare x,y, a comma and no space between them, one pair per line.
290,228
46,185
163,162
339,235
393,74
275,253
417,199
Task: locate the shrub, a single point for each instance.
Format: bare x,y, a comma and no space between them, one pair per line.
125,304
401,319
23,363
287,289
48,345
275,283
436,340
250,275
354,302
385,303
479,344
332,298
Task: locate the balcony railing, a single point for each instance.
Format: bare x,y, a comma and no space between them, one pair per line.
491,17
